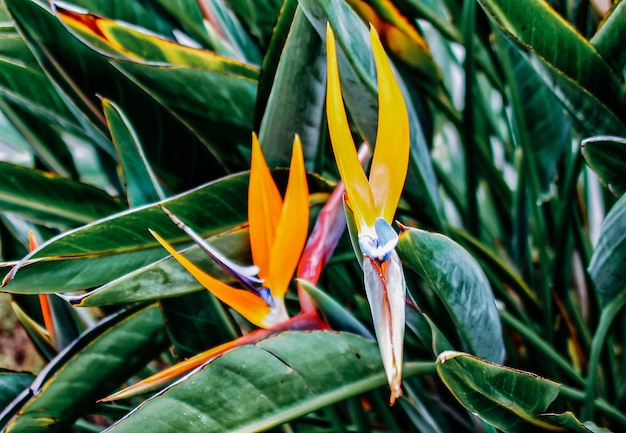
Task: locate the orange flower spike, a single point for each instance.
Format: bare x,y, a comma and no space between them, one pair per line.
264,208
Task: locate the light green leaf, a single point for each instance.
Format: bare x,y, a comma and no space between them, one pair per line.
460,283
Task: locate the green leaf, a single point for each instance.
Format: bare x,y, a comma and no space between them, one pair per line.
142,187
259,17
570,65
607,157
189,318
167,278
12,383
82,75
460,283
610,38
108,249
302,66
511,400
606,269
92,367
258,386
49,199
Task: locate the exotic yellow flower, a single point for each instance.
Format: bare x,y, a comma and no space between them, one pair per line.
278,230
374,200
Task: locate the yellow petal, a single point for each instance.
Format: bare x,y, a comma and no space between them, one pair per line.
264,207
245,303
292,227
350,170
391,154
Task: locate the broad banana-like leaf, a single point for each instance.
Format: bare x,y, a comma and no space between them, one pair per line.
255,387
511,400
461,285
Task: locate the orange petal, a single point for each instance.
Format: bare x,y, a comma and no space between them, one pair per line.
350,170
264,208
292,226
391,154
245,303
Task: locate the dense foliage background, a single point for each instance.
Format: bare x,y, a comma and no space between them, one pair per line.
516,186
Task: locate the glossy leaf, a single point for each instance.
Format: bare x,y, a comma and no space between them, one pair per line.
89,369
108,249
258,386
606,268
50,199
609,39
142,187
509,399
165,278
82,74
12,383
579,76
460,283
258,17
607,157
287,112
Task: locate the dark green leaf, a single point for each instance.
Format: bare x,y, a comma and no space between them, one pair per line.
460,283
607,157
92,367
12,383
606,268
141,184
49,199
255,387
610,38
196,322
82,75
108,249
259,17
302,66
570,65
511,400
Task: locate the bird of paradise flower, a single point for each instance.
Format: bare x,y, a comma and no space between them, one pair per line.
372,201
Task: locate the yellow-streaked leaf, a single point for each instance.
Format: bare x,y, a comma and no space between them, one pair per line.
245,303
292,226
357,187
391,154
264,208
